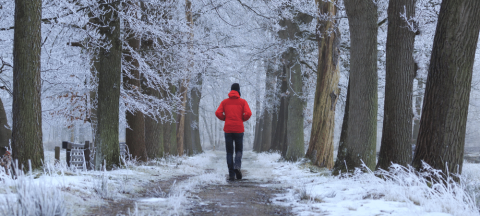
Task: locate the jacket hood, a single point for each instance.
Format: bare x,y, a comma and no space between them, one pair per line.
233,94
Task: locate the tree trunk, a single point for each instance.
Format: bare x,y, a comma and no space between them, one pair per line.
154,129
267,107
184,85
109,77
258,120
397,118
295,138
170,132
360,143
281,127
294,134
276,146
320,149
342,150
5,132
259,137
418,111
135,135
27,107
441,139
192,132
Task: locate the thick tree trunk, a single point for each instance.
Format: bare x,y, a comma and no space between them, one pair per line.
5,132
320,149
342,150
441,139
109,77
281,127
27,107
192,120
397,118
294,148
135,135
360,143
295,138
154,129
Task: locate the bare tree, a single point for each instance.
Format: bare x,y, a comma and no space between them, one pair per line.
109,68
27,107
397,118
360,142
320,149
441,137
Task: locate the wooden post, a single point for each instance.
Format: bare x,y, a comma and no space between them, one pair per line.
66,146
86,153
57,154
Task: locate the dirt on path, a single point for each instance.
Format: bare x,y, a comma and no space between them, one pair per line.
126,206
252,195
241,197
248,196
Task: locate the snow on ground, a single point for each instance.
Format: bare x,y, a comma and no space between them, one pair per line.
310,190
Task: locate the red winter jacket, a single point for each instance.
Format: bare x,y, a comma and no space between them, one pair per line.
234,111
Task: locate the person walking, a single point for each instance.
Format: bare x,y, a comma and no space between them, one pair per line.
234,111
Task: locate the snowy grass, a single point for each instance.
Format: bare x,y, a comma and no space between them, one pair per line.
398,191
25,196
59,190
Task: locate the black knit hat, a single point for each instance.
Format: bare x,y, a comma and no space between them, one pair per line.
236,87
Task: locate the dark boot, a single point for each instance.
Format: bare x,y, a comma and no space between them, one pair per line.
238,173
231,177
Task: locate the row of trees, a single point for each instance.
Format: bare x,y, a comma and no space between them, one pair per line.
142,64
132,49
442,127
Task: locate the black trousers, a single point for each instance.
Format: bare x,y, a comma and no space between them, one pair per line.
229,139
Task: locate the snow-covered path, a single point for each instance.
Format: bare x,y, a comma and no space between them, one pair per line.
197,186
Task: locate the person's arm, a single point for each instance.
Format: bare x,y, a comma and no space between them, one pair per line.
247,113
220,112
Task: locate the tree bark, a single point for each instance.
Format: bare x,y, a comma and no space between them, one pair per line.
418,110
397,118
27,107
295,138
294,134
154,132
170,132
320,149
109,81
192,120
276,146
441,138
267,107
342,150
184,85
281,129
135,135
360,143
258,120
5,132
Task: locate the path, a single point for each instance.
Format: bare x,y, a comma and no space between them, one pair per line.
249,196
